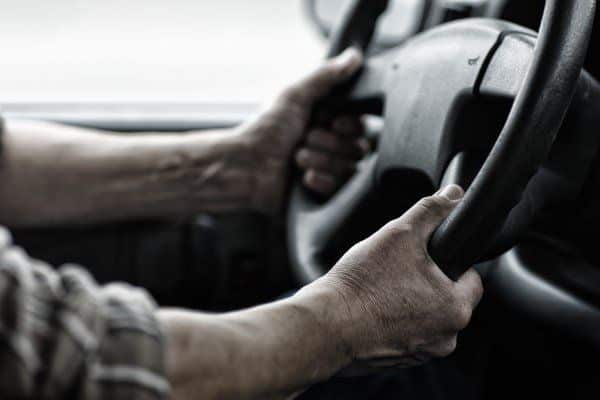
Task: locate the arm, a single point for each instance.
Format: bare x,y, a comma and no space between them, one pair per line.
53,174
62,336
382,306
268,352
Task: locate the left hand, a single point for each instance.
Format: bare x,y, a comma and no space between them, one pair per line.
329,151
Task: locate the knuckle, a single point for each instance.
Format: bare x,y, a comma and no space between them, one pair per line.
321,183
309,179
316,159
294,95
302,158
399,231
433,204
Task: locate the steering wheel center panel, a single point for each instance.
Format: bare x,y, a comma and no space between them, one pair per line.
429,80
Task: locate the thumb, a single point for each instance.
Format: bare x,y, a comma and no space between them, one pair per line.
429,213
321,82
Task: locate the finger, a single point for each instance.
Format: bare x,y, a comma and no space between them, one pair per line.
5,239
321,161
429,213
325,78
320,182
471,287
328,141
348,126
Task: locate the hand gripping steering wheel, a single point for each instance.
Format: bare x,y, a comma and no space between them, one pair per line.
418,88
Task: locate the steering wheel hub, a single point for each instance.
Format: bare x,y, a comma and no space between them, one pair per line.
429,81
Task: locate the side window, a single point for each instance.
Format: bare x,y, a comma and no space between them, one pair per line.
218,51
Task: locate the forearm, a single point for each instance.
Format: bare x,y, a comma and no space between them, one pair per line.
269,352
53,174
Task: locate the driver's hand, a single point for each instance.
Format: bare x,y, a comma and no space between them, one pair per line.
284,135
396,308
331,152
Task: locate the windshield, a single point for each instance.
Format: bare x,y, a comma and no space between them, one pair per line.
153,50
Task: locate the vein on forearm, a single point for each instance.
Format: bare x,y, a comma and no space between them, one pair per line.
53,174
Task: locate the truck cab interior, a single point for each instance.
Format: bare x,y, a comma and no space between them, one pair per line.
500,96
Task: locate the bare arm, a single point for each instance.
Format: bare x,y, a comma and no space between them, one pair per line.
384,305
269,352
53,174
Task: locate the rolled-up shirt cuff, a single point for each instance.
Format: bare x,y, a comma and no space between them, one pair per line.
62,335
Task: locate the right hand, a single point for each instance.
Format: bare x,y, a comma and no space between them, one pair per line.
395,307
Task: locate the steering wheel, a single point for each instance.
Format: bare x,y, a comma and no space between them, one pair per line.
418,88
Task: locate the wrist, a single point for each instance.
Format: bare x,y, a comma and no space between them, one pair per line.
293,340
213,171
330,319
266,169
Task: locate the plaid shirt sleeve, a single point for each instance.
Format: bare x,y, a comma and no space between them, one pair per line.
64,337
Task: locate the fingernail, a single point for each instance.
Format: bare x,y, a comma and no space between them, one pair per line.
451,192
349,56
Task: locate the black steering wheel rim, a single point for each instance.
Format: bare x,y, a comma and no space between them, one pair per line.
528,135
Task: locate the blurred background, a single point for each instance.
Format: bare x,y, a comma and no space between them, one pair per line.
153,50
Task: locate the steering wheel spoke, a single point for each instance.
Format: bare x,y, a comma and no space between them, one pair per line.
423,103
366,93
